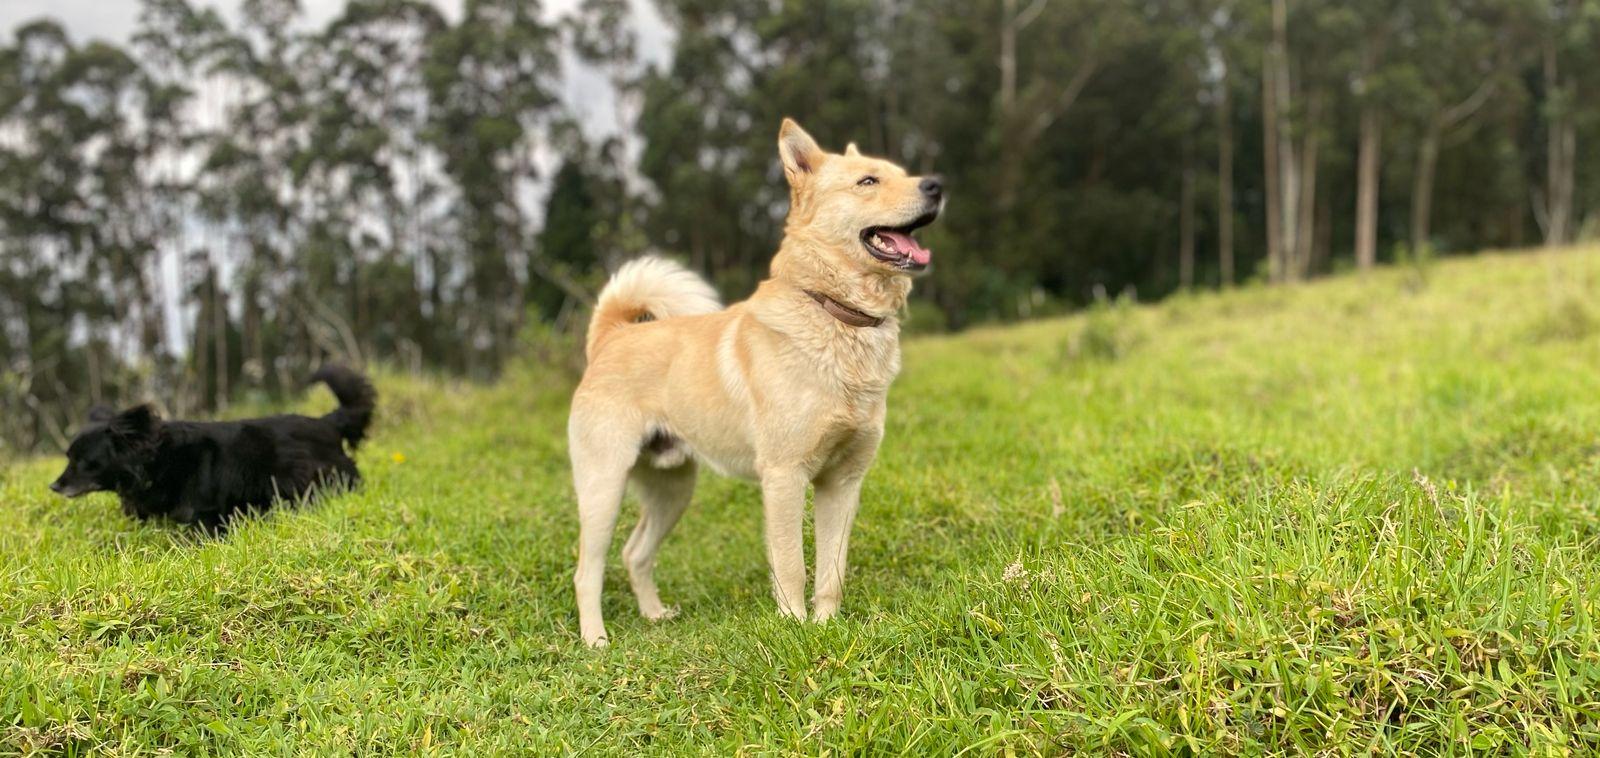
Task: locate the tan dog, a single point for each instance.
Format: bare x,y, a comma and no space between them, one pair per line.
787,388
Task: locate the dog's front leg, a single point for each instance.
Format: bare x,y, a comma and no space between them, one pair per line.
838,498
783,494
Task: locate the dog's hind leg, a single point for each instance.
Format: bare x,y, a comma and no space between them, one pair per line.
602,452
663,496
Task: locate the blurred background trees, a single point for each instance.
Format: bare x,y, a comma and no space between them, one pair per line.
214,208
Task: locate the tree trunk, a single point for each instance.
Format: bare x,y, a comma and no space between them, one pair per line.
1367,188
362,287
1186,223
1564,145
1560,160
1306,195
202,343
1022,124
1008,55
1422,191
1441,123
219,317
1269,161
435,331
1224,183
251,336
1289,181
1008,105
1322,244
96,376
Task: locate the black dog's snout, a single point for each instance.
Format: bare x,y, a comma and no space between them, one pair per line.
56,487
932,187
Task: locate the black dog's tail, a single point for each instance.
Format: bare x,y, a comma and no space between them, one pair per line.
356,401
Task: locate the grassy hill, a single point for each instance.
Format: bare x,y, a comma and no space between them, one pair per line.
1356,515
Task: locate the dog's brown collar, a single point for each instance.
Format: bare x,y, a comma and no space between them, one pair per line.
844,313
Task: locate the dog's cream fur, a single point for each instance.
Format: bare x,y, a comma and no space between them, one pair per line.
773,389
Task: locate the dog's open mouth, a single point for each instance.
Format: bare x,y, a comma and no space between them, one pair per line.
895,246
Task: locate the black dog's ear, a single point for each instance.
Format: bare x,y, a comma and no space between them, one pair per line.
138,422
101,413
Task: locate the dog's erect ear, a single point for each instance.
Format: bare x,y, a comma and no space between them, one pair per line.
850,151
800,153
101,413
138,422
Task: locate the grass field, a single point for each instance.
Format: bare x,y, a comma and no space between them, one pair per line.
1357,515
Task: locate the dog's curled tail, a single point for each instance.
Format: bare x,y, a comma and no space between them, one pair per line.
356,401
647,289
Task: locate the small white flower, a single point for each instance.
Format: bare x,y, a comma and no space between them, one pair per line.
1015,574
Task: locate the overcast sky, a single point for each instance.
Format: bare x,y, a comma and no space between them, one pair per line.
112,19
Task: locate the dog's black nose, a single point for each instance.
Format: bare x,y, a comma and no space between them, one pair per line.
56,487
932,187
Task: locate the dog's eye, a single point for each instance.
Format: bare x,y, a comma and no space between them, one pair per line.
867,181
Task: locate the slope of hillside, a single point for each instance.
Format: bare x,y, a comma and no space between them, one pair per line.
1360,514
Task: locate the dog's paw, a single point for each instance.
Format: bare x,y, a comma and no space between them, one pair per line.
662,614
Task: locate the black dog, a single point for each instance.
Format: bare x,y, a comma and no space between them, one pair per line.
207,472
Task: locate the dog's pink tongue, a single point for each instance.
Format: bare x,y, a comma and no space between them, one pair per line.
909,247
